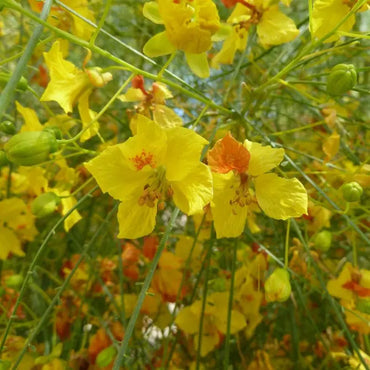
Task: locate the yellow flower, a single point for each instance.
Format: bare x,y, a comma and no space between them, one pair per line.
326,15
16,225
214,321
69,85
65,20
235,167
154,164
190,25
273,28
152,103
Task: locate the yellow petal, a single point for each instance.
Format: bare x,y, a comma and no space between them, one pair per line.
327,14
115,174
158,45
263,158
281,198
192,193
184,148
87,116
132,94
229,220
276,28
151,11
209,342
135,220
31,121
198,63
331,145
165,116
74,217
67,82
187,321
9,243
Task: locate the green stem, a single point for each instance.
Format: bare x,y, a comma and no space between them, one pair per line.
34,262
204,301
286,258
230,308
8,92
108,5
135,314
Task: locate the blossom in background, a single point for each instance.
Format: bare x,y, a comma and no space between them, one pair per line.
63,19
16,225
273,27
150,167
235,168
327,14
69,86
152,103
214,321
189,25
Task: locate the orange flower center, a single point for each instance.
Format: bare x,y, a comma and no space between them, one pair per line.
143,159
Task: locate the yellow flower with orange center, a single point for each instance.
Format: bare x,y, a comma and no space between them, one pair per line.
235,168
147,169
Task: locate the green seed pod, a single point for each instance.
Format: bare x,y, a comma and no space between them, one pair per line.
14,281
342,77
277,286
322,241
30,147
45,204
106,356
7,127
3,160
352,191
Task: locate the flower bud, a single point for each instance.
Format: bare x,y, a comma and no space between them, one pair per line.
342,77
277,286
352,191
14,281
7,127
45,204
106,356
55,131
97,78
322,241
30,147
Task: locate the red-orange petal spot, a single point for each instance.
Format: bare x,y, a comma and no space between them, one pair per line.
227,155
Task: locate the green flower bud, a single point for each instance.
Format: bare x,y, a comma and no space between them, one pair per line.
3,160
7,127
30,147
352,191
14,281
45,204
322,241
106,356
363,305
55,131
342,77
277,286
